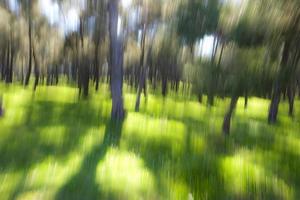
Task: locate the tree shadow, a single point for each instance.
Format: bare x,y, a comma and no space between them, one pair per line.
197,172
83,184
25,145
270,149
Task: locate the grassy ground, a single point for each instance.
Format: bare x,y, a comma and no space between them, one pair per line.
53,146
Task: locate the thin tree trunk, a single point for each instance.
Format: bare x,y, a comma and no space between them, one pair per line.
10,71
36,70
164,86
96,65
246,100
116,63
211,92
22,71
273,110
85,77
56,74
228,115
6,69
12,54
27,78
291,97
142,71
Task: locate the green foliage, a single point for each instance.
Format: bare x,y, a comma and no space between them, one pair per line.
197,18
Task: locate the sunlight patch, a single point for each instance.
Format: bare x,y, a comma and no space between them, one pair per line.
147,130
8,182
124,175
243,177
92,138
56,94
50,174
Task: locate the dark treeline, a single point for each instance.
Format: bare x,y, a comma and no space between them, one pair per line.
253,49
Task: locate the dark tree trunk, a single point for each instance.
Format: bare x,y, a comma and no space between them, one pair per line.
85,78
10,73
36,70
116,63
96,66
142,81
291,97
56,74
284,93
273,110
164,87
10,64
228,115
49,77
6,69
210,97
27,78
246,100
22,72
3,63
200,97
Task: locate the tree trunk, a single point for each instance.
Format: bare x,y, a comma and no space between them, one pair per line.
246,100
211,92
22,72
200,97
228,115
291,97
12,54
56,74
273,110
164,86
10,73
116,63
142,86
6,68
85,77
27,78
142,72
210,97
36,70
96,66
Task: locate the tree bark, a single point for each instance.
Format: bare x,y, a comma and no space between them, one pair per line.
116,63
273,110
164,87
142,72
6,68
246,100
228,115
291,98
10,71
27,78
36,70
200,97
96,66
211,92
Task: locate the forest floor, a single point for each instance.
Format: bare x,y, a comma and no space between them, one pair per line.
54,146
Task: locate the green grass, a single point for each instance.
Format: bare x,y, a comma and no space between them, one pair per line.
54,146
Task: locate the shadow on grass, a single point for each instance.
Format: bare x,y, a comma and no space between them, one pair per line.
177,168
25,145
83,184
272,149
